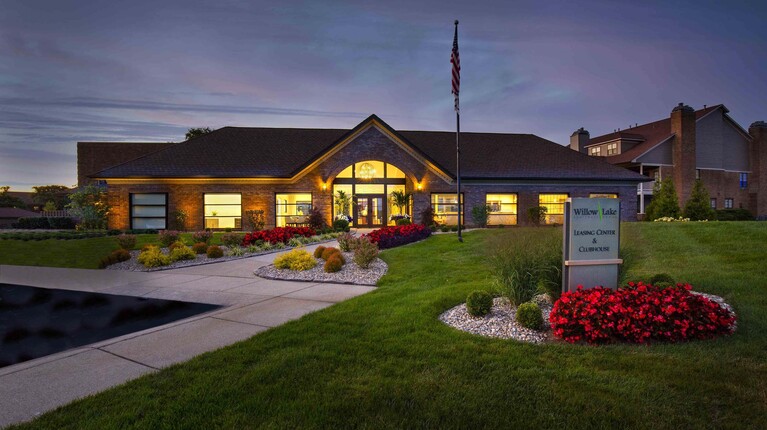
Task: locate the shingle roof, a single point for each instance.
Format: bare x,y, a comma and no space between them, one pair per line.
16,213
649,134
237,152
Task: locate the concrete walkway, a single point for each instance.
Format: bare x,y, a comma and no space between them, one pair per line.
251,305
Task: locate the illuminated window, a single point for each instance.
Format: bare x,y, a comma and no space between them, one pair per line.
393,172
223,210
369,189
292,209
346,173
503,209
555,207
446,208
342,205
595,151
612,148
369,170
713,203
743,181
728,203
149,211
603,196
392,209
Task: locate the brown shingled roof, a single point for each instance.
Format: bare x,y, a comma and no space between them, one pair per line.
237,152
651,134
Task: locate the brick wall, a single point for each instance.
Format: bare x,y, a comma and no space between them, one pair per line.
370,145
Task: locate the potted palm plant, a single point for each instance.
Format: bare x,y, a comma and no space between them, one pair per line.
400,199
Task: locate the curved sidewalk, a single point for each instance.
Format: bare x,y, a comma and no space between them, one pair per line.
250,306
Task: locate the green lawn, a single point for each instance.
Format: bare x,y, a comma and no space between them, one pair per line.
77,253
383,360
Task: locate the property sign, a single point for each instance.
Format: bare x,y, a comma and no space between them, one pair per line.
591,243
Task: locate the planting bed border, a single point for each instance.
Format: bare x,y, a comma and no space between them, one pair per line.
133,265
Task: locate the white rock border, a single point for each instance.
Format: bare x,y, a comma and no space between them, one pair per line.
350,273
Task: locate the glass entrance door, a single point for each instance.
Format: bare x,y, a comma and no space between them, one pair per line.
370,211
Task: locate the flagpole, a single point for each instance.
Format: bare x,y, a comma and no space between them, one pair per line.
458,153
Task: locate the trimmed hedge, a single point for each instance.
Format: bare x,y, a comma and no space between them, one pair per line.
45,223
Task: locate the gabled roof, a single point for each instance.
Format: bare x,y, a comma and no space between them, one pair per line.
284,153
650,135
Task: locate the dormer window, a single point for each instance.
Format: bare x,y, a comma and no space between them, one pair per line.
595,151
612,148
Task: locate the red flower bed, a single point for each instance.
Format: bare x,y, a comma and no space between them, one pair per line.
638,314
389,237
275,235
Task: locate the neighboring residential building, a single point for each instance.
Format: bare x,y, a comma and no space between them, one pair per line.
706,144
9,216
286,172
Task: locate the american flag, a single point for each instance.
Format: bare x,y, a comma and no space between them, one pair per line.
456,62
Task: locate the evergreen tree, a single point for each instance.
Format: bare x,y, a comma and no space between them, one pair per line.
698,206
664,201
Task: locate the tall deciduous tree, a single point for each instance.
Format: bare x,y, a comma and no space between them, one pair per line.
9,201
197,131
698,207
664,201
58,194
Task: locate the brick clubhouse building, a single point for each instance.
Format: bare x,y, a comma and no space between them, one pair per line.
286,172
705,144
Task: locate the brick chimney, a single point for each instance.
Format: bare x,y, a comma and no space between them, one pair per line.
579,139
757,181
683,150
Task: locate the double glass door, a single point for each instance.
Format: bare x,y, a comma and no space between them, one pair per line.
370,211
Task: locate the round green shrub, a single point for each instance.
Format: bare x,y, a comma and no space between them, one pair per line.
662,277
175,245
479,303
340,225
327,252
333,263
200,248
121,255
215,252
529,315
318,251
182,253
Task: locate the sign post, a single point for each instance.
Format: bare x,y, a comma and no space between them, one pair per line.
591,243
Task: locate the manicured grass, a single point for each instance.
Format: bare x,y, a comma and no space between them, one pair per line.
76,253
383,360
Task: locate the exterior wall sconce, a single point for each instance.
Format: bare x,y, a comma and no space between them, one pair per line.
324,186
419,186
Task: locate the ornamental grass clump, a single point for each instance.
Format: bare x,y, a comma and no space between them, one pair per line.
167,237
527,263
297,259
529,315
203,236
126,241
638,314
365,253
346,241
479,303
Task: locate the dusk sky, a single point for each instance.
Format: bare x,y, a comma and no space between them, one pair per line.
148,70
